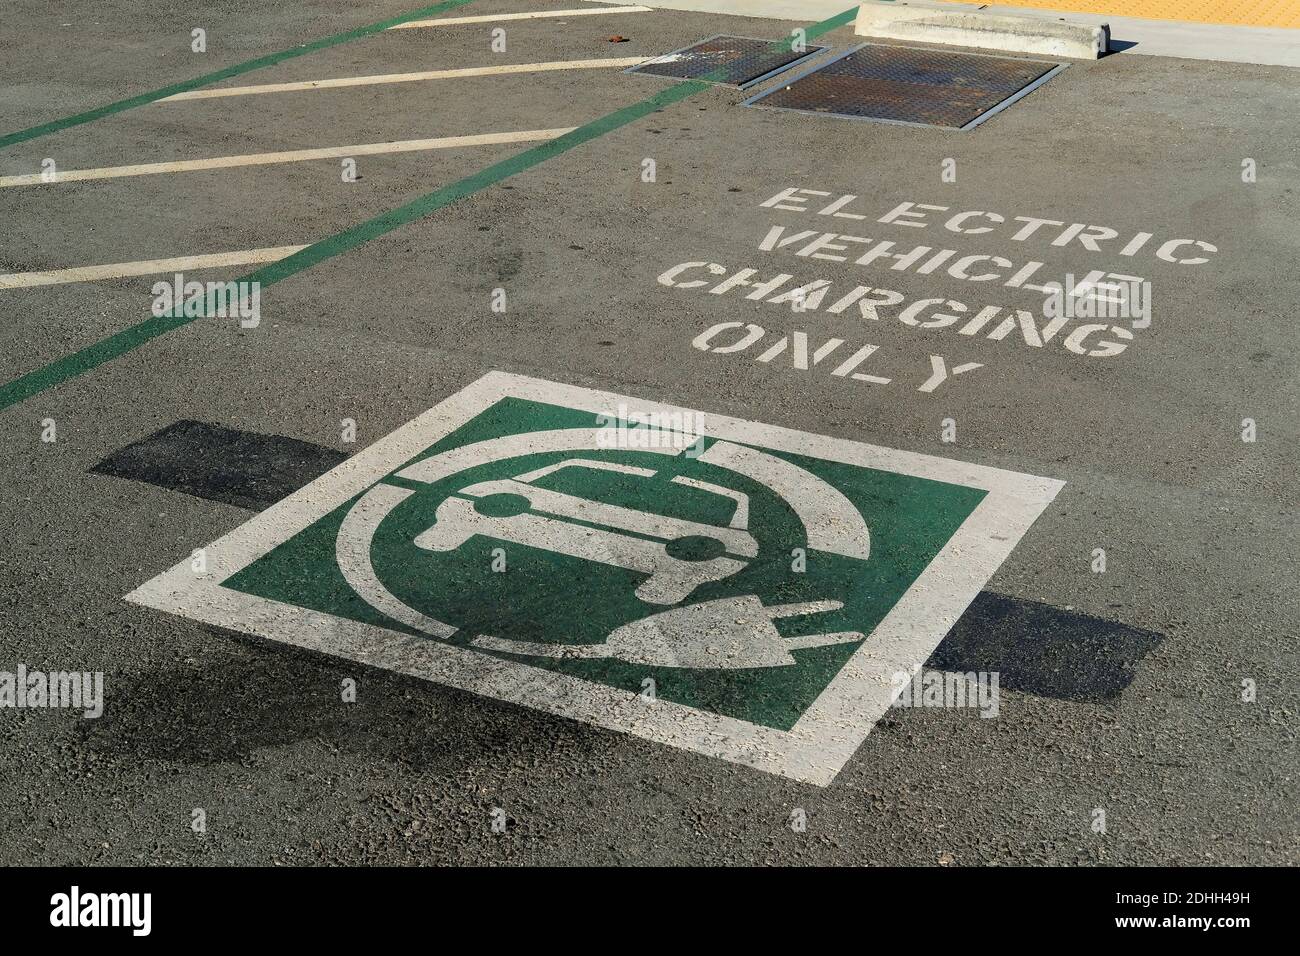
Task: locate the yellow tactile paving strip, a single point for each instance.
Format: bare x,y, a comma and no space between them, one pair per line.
1244,13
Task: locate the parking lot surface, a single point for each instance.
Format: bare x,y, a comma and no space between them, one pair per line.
366,567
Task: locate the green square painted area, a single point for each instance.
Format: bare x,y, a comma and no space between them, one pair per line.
544,597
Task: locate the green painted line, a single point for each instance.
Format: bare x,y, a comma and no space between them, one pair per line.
238,69
91,357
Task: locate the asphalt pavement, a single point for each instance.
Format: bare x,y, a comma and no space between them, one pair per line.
1102,511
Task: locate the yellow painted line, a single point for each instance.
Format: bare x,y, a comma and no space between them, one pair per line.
1244,13
382,78
145,267
531,15
291,156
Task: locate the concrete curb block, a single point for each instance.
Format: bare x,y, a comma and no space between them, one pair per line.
972,28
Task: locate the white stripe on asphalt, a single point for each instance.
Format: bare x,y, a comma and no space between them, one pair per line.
291,156
118,270
531,15
383,78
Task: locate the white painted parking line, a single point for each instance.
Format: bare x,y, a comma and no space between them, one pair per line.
145,267
530,15
384,78
290,156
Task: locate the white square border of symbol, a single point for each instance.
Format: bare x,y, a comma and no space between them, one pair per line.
813,751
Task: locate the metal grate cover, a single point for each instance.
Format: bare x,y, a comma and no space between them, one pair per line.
920,87
731,61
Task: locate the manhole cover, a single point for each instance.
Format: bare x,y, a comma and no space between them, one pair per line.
733,61
897,84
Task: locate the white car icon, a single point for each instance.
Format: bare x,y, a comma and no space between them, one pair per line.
678,555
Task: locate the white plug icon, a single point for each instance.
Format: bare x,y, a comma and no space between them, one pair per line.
727,633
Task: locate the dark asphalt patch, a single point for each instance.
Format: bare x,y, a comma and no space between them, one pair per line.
221,464
896,84
264,695
1045,650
